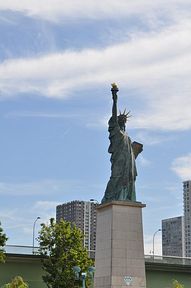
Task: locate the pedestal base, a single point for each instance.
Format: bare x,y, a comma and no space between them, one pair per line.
119,256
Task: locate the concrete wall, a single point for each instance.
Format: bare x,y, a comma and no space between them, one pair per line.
163,279
29,267
161,275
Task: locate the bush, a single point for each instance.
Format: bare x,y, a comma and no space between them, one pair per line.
17,282
3,240
176,284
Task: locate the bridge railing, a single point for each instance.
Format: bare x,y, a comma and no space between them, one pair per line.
30,250
19,249
167,260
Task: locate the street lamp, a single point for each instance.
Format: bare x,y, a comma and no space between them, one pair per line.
33,233
91,271
82,276
154,241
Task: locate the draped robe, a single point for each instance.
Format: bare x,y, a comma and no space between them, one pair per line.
121,185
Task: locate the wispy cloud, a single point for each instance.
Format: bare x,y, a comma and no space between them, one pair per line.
39,114
68,188
148,244
155,64
6,20
45,205
8,215
143,161
182,167
43,187
45,209
89,9
18,223
151,138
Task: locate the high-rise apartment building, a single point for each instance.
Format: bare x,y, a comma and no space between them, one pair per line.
83,215
177,229
173,236
187,216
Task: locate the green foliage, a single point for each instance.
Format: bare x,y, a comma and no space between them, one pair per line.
17,282
61,244
3,240
176,284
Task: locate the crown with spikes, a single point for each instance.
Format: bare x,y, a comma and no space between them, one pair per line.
124,116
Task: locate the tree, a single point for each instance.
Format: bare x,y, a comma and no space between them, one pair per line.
61,245
3,240
17,282
176,284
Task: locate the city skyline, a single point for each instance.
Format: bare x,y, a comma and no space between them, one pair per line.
57,63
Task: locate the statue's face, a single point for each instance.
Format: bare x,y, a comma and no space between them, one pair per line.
122,125
121,121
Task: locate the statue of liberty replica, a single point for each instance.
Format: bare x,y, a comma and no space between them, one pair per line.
119,258
121,186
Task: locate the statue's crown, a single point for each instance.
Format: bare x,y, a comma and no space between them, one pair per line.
124,116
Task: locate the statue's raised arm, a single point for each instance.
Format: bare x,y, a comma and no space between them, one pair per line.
114,91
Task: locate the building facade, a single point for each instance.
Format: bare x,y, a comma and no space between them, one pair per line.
173,237
187,216
83,215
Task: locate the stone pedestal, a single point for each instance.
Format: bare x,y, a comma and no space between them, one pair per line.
119,259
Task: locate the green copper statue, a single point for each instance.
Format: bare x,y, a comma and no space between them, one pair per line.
121,185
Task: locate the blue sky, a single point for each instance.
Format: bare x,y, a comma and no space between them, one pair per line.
57,61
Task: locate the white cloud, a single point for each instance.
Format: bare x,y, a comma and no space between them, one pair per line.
46,205
182,167
68,188
143,161
151,139
6,20
45,209
18,222
90,9
9,216
42,187
156,64
40,114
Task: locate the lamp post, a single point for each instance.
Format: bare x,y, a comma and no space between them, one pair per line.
83,275
91,271
154,241
33,233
